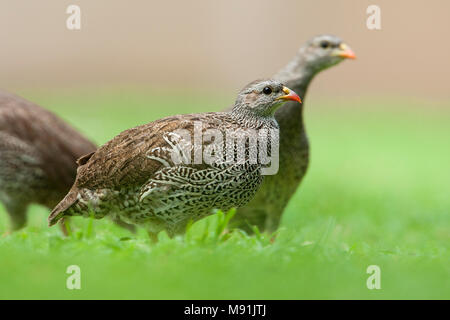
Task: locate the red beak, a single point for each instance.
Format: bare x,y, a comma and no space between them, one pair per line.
346,52
290,95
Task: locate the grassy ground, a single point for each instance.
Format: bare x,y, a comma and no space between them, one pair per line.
377,193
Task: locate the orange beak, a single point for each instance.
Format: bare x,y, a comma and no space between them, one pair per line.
290,95
346,52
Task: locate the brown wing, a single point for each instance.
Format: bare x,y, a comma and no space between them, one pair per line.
57,143
124,160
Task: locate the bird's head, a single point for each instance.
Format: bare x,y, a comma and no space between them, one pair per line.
324,51
263,97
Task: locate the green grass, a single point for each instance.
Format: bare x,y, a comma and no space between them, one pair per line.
377,193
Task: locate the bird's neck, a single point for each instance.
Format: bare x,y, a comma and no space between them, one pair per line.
297,76
248,120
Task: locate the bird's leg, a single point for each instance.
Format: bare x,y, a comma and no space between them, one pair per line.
64,228
273,219
123,224
18,214
272,223
153,236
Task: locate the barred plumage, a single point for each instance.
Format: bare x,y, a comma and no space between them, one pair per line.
134,176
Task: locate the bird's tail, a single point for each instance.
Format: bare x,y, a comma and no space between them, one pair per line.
60,209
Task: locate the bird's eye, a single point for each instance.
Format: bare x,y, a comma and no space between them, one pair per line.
324,44
267,90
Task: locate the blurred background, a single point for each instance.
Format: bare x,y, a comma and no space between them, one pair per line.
377,189
222,45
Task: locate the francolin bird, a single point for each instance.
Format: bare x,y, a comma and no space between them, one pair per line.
266,208
38,153
136,176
